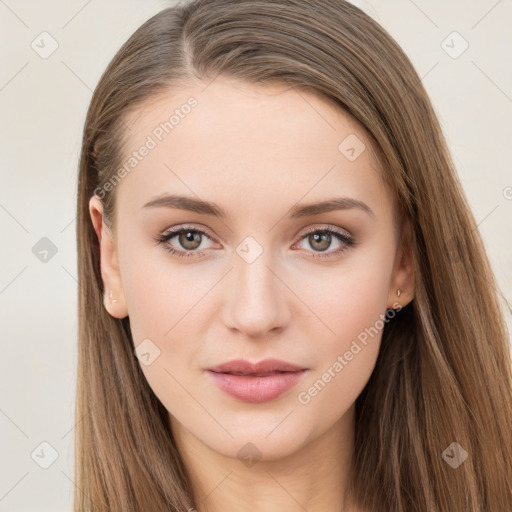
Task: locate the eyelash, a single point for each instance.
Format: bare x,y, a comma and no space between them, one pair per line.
163,238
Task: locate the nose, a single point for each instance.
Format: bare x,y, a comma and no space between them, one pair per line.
256,299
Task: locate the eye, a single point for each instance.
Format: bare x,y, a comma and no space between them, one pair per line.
188,240
321,239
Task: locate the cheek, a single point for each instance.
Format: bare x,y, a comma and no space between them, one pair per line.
159,293
352,307
164,307
347,298
345,360
168,304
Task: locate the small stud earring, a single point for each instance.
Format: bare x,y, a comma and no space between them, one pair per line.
110,298
398,292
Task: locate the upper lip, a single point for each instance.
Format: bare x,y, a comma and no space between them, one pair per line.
243,367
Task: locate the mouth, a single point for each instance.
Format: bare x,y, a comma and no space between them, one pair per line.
262,368
260,374
256,383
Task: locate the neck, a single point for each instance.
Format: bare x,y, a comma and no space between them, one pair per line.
313,478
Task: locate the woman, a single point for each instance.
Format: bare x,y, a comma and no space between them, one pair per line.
284,301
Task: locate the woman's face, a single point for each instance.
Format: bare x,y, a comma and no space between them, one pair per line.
255,275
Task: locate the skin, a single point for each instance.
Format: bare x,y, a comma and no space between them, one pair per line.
255,151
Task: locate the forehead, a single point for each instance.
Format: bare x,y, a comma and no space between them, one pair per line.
247,145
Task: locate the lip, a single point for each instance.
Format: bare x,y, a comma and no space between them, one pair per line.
265,366
256,382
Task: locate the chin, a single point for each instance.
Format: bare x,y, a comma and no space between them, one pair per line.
251,449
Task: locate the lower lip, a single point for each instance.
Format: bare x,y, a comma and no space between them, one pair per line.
256,389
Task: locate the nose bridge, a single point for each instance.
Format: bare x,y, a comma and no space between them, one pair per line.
255,301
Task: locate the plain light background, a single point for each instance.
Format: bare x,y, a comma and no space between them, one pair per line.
43,104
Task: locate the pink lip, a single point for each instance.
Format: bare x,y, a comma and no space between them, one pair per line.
258,382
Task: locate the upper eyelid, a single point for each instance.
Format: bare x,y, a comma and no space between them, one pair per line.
184,227
326,227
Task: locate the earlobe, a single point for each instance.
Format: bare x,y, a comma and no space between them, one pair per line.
114,299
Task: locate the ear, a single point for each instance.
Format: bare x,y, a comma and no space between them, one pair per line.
403,271
114,299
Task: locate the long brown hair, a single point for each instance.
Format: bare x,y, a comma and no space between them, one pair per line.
443,374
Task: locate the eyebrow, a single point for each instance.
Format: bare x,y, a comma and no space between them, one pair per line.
298,211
